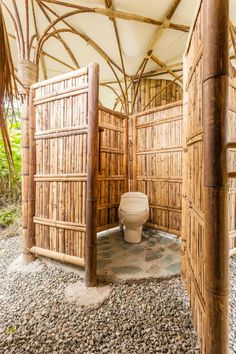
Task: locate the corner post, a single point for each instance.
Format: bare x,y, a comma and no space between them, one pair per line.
92,166
28,73
215,105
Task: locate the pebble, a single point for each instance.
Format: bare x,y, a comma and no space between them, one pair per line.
151,317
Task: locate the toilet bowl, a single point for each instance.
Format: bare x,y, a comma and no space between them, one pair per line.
133,213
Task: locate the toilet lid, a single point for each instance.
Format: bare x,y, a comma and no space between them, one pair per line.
133,208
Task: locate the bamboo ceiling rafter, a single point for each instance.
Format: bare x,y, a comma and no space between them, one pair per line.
160,30
42,60
109,61
33,45
108,4
120,14
69,51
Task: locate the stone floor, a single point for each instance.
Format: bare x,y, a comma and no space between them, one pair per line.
157,256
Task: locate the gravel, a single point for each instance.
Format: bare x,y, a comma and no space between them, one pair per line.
150,317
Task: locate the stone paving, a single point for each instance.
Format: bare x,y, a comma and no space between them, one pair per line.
157,256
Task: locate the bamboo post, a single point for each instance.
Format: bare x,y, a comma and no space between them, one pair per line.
27,73
92,162
215,102
32,171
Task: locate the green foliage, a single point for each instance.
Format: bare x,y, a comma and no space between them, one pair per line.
11,182
9,215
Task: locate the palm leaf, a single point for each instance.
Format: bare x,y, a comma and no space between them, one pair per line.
7,87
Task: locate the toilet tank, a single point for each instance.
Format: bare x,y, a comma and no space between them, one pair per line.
136,200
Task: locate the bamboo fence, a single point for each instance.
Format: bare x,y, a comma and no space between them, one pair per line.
156,160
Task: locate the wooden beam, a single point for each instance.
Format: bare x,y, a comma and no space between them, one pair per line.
216,239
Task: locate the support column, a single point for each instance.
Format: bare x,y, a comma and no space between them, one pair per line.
215,104
92,167
27,72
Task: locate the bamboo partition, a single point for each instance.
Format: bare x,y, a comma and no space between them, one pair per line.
204,232
113,166
156,143
170,92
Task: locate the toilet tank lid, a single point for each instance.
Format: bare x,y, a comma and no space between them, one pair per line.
134,195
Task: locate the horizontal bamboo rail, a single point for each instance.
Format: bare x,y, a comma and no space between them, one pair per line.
62,257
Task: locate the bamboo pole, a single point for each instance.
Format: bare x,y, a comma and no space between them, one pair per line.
215,101
58,256
92,160
32,171
28,75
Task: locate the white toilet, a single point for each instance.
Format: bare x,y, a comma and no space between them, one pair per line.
133,213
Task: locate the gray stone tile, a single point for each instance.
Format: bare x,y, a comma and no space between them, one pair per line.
152,255
126,270
174,268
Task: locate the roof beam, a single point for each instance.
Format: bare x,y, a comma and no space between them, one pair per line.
120,14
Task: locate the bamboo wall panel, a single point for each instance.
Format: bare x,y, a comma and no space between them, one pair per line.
148,89
61,163
232,166
157,164
193,170
112,166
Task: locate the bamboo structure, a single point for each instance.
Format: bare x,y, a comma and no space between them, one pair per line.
156,143
170,92
204,235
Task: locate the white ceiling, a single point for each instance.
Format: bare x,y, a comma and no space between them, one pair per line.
135,37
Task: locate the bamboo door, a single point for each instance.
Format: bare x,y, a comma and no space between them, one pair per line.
65,109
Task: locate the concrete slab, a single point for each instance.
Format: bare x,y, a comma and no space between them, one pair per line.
91,298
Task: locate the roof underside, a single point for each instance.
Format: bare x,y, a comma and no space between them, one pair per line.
126,38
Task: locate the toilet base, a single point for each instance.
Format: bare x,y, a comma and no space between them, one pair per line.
133,235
